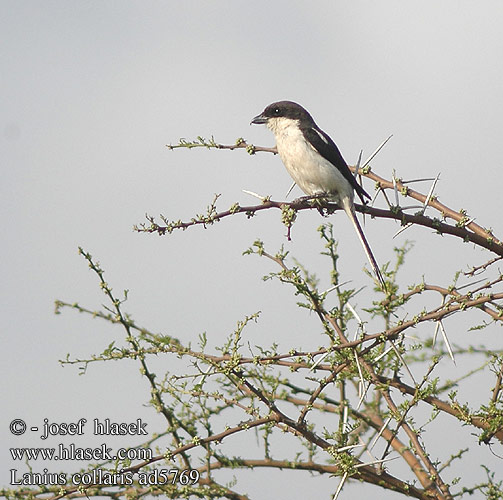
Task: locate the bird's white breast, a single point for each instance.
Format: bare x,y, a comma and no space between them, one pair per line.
310,171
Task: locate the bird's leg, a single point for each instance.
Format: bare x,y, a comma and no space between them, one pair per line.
312,197
302,199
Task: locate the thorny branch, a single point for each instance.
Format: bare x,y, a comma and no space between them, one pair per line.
335,400
247,374
463,227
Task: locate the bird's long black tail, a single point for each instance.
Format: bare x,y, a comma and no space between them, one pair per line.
350,211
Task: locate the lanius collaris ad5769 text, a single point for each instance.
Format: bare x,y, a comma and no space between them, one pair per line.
314,162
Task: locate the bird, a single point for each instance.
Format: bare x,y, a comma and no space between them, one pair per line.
315,163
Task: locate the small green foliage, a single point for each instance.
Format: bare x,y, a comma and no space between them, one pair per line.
492,414
234,208
288,215
256,248
359,372
199,142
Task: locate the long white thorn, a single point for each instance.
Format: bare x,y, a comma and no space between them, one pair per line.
383,354
372,156
290,189
363,396
430,193
358,319
395,189
446,341
251,193
317,362
437,325
349,447
424,179
374,441
401,230
375,462
341,484
397,352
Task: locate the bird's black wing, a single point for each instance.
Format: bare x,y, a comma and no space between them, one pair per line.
327,148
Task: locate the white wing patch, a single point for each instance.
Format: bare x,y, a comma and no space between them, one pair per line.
321,136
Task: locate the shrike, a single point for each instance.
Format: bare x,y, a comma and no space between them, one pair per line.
315,163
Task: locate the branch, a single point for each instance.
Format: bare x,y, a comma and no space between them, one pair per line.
170,454
392,482
463,228
460,217
489,243
201,142
428,477
455,411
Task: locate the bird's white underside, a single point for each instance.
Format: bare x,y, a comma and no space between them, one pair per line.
310,171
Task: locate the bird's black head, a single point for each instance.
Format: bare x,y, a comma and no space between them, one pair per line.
283,109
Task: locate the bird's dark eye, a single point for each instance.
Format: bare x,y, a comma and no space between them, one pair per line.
277,111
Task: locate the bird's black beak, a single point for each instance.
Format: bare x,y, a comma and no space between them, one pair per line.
259,120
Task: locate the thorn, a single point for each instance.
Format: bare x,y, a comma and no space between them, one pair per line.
435,333
367,449
375,462
395,189
341,484
357,167
397,352
318,361
401,230
419,180
349,447
345,415
446,340
430,193
362,397
357,317
383,354
471,284
251,193
372,156
335,287
410,207
374,441
425,204
290,189
362,380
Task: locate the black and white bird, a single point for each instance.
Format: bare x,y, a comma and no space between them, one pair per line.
315,163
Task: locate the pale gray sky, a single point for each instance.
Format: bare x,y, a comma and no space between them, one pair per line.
90,94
